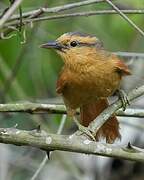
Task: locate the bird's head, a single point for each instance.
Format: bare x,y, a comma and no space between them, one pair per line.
75,46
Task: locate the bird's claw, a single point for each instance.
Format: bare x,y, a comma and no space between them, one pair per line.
83,129
86,131
124,99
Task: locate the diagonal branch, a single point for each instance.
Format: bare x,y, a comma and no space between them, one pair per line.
125,17
50,142
9,12
108,112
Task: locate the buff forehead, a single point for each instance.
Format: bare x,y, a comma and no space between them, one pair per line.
67,37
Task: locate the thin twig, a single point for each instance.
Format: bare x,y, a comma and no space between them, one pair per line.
61,126
72,143
44,161
125,17
61,16
57,8
9,12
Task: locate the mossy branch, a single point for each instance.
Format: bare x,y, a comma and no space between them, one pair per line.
72,143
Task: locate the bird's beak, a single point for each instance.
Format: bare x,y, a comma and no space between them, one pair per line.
52,45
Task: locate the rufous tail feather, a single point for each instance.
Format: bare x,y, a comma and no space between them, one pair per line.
110,129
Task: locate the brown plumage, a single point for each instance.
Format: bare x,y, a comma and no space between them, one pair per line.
110,130
90,75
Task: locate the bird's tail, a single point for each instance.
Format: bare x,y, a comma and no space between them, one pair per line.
110,129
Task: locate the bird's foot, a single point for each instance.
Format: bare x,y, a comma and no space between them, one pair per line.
86,130
124,99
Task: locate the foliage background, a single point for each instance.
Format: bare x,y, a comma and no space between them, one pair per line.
35,73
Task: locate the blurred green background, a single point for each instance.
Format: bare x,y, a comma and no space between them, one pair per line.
28,73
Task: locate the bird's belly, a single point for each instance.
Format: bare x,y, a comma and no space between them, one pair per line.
88,90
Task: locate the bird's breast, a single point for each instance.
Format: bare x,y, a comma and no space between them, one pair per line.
89,84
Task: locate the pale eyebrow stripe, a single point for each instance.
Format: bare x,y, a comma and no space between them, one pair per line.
91,44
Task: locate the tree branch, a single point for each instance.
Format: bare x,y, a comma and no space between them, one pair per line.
56,9
35,15
61,16
108,112
72,143
9,12
36,108
47,142
33,108
129,112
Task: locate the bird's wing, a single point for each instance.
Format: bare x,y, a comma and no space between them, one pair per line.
122,68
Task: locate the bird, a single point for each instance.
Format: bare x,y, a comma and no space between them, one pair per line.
90,74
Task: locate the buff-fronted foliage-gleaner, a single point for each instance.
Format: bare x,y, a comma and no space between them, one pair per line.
89,76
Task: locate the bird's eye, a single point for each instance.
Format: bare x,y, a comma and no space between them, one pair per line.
73,43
